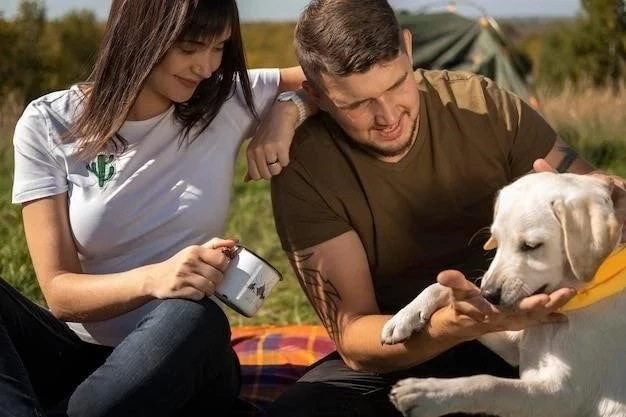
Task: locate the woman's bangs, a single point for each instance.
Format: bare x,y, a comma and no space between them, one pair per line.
209,20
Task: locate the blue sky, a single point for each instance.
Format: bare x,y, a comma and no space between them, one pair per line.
289,9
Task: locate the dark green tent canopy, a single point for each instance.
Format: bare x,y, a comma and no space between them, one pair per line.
447,40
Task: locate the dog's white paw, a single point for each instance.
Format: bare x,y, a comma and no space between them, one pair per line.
400,327
423,397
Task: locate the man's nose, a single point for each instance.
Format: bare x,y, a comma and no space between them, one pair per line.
384,112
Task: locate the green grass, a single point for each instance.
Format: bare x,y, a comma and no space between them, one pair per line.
15,265
251,220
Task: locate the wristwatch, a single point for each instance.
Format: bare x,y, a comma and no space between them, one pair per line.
297,100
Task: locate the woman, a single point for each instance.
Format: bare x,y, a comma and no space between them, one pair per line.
124,183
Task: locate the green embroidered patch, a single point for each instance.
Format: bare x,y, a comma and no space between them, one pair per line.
98,167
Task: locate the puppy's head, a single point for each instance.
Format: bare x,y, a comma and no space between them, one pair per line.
550,231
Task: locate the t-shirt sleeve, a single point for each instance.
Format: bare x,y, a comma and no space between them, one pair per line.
529,134
303,216
38,172
264,84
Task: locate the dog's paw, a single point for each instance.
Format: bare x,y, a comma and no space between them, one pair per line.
423,397
400,327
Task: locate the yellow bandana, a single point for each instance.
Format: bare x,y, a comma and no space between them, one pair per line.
609,279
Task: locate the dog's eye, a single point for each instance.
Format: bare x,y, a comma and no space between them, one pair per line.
527,246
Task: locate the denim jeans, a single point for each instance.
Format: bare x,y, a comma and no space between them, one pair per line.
177,362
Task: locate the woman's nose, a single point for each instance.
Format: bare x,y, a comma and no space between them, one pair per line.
206,65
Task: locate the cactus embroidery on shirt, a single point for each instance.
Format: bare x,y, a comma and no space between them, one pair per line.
103,168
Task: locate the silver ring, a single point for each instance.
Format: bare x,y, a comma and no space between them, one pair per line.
272,163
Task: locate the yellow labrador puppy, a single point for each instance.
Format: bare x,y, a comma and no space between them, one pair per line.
551,231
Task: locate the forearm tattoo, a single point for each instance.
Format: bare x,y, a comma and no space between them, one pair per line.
569,156
321,292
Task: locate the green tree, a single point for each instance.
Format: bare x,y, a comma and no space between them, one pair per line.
30,63
22,66
593,49
72,43
38,56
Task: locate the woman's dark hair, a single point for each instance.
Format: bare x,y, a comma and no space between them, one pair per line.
137,36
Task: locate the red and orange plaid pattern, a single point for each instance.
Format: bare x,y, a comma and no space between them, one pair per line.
274,357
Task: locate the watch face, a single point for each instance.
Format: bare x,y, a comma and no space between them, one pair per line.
286,96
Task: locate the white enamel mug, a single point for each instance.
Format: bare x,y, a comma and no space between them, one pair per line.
248,280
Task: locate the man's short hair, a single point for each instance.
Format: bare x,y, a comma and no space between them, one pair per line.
343,37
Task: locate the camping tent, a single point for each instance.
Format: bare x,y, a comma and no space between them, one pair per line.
447,40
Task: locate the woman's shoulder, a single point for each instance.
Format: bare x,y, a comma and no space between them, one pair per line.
57,106
51,115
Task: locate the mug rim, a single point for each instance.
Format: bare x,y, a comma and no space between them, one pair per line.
239,247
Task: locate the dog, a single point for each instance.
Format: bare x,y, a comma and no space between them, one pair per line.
550,231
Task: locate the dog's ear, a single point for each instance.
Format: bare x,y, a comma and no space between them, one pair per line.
590,232
492,243
618,195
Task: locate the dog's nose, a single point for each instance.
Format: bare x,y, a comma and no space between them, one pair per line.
493,295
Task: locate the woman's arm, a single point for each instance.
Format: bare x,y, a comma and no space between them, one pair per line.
71,295
268,151
291,79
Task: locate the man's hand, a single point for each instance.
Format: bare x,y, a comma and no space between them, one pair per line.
469,315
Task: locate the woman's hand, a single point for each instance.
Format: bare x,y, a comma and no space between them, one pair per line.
268,151
193,273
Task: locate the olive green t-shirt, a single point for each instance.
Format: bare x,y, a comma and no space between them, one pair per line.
425,213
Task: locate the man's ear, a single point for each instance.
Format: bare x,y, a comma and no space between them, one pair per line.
314,93
407,37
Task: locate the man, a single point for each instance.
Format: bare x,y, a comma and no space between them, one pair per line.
389,186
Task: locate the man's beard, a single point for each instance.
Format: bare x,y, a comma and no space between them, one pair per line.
390,153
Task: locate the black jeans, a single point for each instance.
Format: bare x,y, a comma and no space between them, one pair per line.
177,362
330,388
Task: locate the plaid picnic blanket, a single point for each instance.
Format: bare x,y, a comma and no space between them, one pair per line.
274,357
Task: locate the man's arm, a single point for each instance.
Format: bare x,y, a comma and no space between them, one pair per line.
564,158
335,276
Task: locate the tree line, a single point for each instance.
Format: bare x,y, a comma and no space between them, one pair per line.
38,55
591,50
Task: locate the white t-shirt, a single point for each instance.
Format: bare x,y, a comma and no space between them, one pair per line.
145,205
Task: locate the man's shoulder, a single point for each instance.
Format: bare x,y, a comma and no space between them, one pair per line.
440,78
319,156
461,88
461,84
315,140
